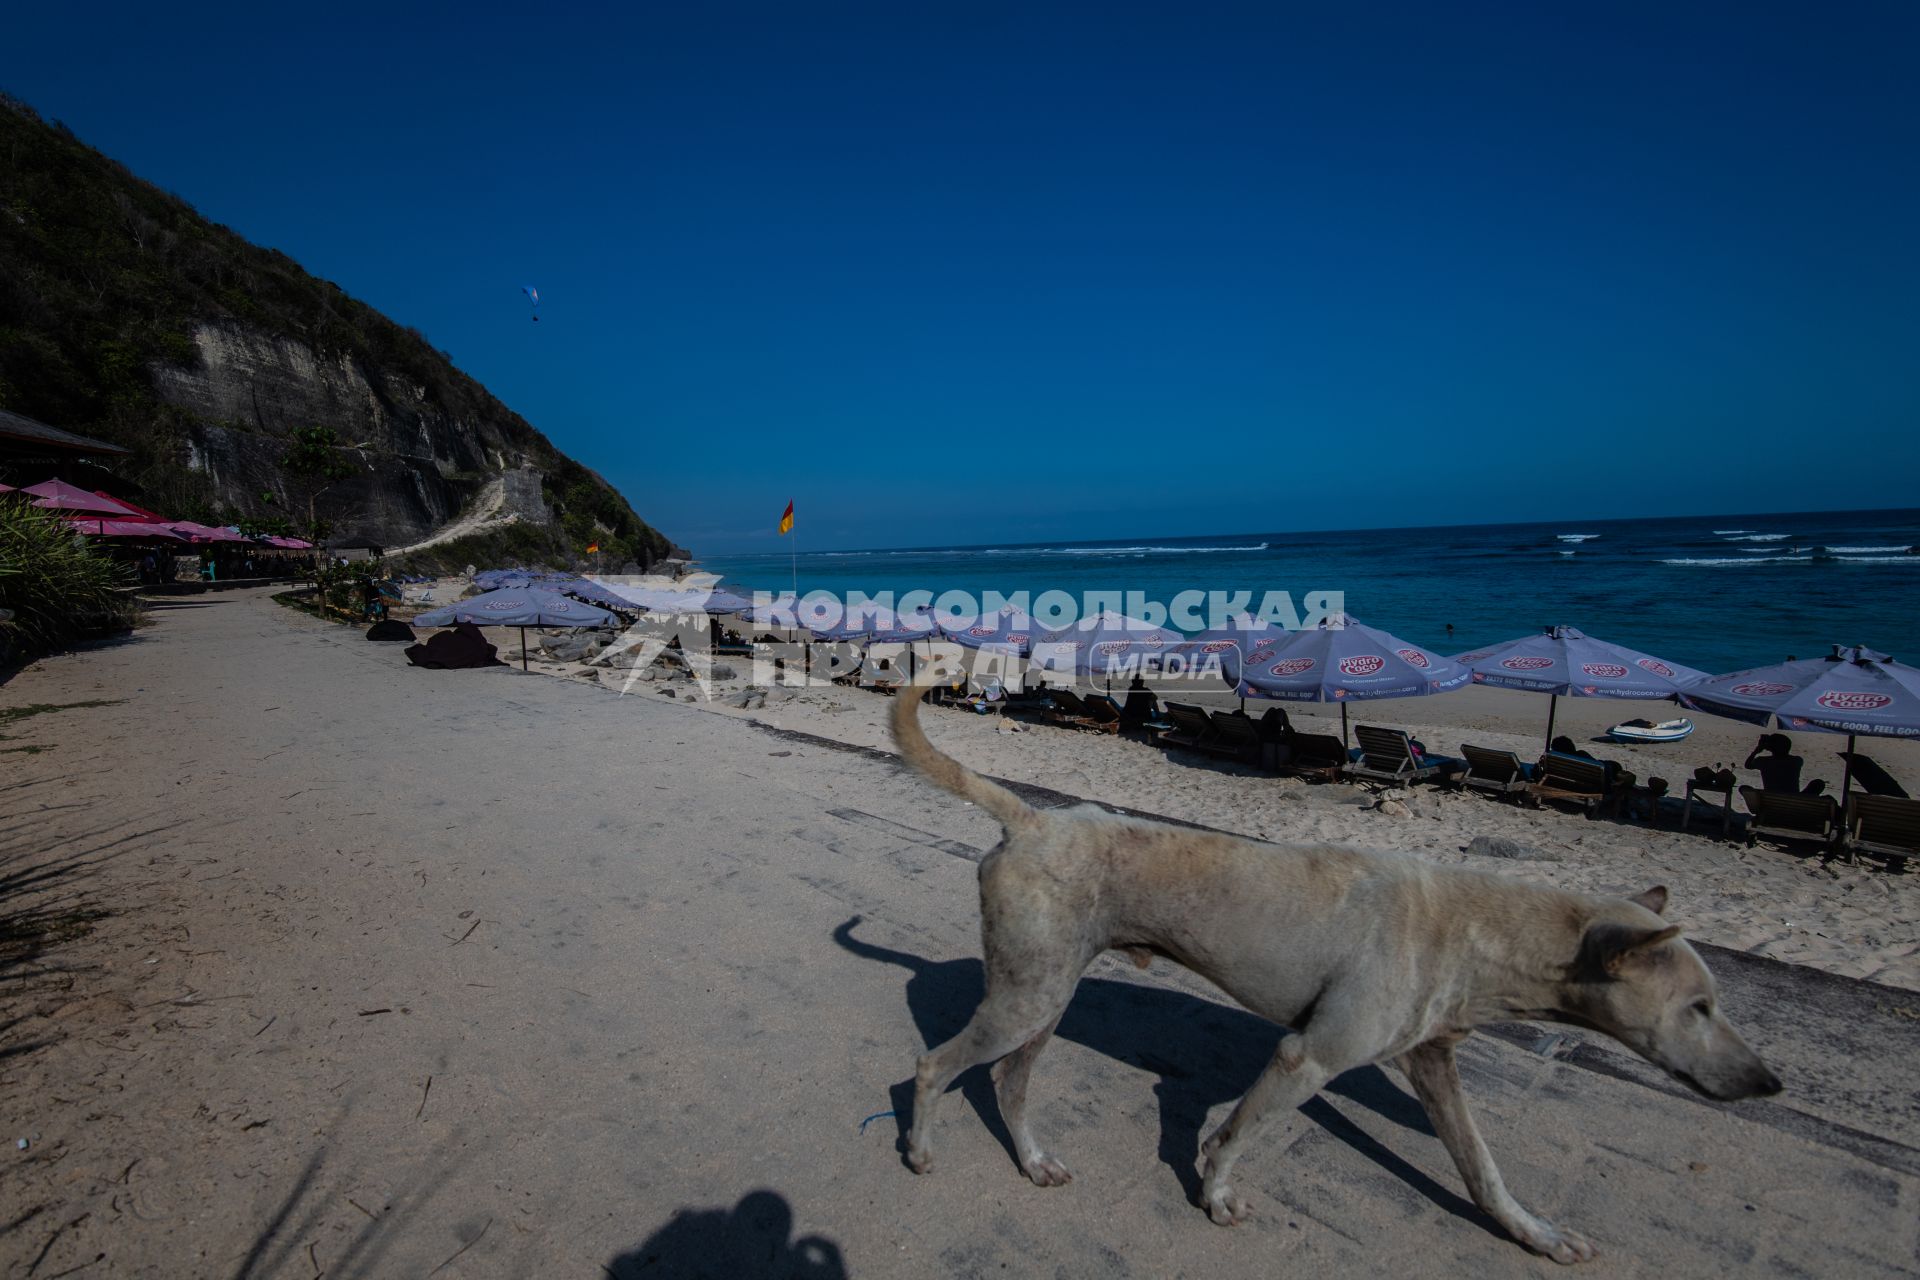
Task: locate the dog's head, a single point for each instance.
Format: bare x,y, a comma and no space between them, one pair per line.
1637,980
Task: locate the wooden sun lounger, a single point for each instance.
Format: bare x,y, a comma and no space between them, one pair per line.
1790,815
1387,755
1236,736
1886,825
1870,777
1499,773
1191,726
1103,713
1069,710
1319,756
1593,784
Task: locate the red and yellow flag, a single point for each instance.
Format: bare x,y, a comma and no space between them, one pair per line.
592,547
786,519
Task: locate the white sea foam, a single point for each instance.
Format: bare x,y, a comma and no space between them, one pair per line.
1727,531
1723,560
1576,537
1567,552
1913,560
1762,537
1111,551
1867,551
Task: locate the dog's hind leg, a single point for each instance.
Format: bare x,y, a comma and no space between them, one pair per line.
1294,1075
1436,1078
1010,1076
1012,1016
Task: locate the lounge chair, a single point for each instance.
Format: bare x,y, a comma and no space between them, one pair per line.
884,674
1318,756
1069,710
1593,784
1191,726
1103,713
1870,777
1236,736
1790,815
1499,773
1886,825
1388,755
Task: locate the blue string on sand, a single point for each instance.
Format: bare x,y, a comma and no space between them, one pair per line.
878,1115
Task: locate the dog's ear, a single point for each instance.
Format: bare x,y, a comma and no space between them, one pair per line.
1654,899
1612,946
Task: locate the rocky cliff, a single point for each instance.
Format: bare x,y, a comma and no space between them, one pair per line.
126,315
414,465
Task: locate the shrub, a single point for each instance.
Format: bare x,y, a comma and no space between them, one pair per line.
56,588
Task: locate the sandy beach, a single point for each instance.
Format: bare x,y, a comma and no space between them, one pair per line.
351,968
1781,900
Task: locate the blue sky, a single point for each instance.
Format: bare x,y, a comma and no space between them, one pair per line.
985,272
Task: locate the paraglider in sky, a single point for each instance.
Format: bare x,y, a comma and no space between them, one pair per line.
533,296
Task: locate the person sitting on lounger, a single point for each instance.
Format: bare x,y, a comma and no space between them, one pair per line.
1779,767
1141,705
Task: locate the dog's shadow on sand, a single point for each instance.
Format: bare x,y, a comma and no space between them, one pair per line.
1203,1052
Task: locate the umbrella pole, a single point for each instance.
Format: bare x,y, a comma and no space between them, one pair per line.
523,648
1553,705
1846,779
1344,740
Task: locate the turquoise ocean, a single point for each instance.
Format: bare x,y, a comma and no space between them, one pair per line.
1714,592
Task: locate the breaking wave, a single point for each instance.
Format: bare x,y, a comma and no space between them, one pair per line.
1112,551
1724,560
1576,537
1761,537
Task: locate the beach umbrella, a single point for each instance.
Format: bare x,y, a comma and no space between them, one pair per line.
722,601
520,607
1224,647
1852,691
58,495
1009,629
1106,644
590,591
1342,660
97,527
195,532
1567,662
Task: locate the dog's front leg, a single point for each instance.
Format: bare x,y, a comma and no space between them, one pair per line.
1436,1078
1293,1076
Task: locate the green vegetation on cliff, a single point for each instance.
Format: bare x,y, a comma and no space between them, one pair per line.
104,276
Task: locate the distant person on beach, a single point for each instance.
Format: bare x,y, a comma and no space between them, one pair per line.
1779,768
1449,631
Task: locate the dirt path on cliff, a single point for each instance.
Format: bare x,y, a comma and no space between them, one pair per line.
484,514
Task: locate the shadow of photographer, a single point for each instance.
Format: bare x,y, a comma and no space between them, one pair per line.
750,1241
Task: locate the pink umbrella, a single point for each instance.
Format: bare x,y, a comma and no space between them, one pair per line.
124,529
195,532
60,496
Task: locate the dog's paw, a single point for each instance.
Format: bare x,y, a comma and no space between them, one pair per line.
1227,1209
919,1161
1563,1246
1047,1172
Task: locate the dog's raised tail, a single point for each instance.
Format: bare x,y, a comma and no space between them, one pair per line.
946,772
